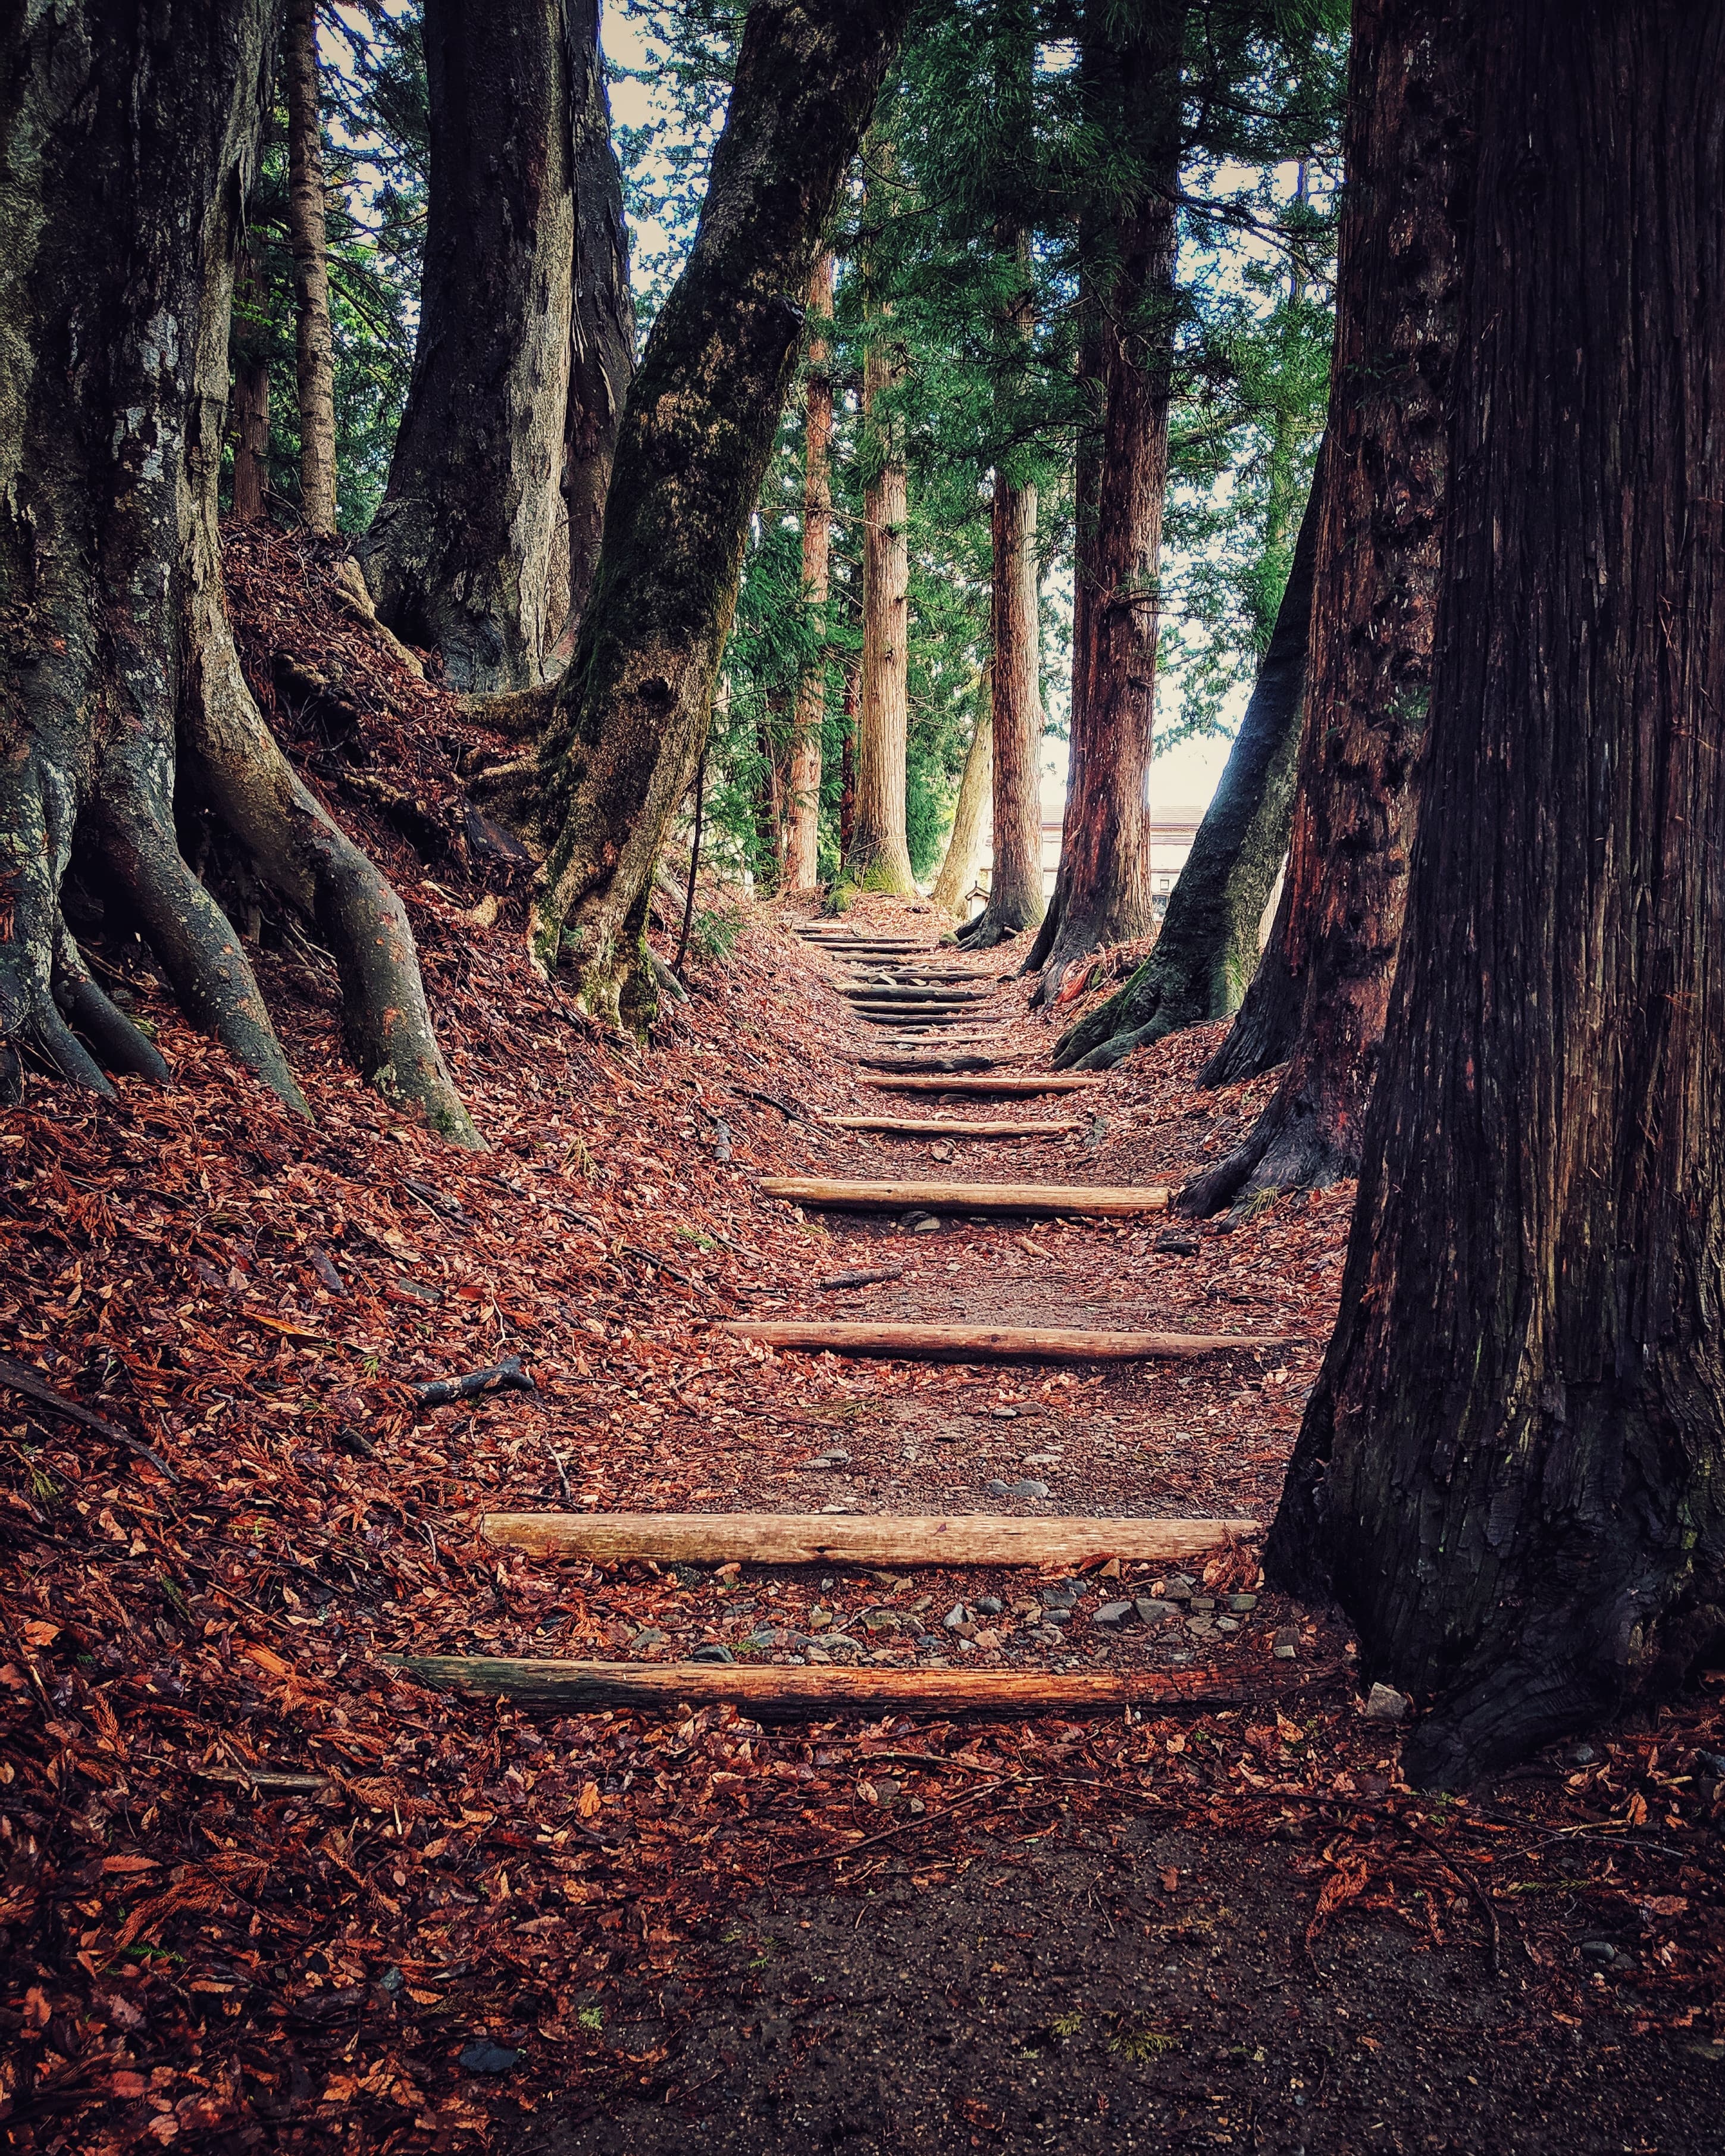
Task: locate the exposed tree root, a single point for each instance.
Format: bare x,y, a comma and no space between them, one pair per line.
1296,1144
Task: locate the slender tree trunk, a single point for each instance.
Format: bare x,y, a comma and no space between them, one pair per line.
1512,1470
1208,949
315,338
879,856
601,343
473,545
956,878
251,399
1102,891
1015,896
1398,297
804,856
696,439
132,147
847,763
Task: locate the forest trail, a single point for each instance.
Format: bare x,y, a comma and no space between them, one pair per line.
493,1923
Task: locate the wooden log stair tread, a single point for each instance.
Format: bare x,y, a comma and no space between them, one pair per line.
957,1538
947,1126
792,1694
971,1082
916,1341
1099,1201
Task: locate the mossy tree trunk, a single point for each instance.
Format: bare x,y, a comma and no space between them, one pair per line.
697,433
803,863
1512,1473
1398,292
133,142
1207,950
315,342
1102,888
473,546
956,878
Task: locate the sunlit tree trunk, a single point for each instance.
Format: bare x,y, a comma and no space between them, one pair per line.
1512,1471
314,334
956,878
803,861
1015,898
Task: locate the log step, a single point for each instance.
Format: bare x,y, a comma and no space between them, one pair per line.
946,1127
972,1538
876,992
908,1066
1019,1087
795,1695
1097,1201
970,1343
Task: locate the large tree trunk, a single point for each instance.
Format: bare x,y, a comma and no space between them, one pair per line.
696,439
1512,1470
1015,896
878,855
956,878
131,155
315,336
1398,298
1102,889
462,554
1208,950
804,859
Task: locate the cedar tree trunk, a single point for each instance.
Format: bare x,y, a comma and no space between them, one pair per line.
802,863
956,878
315,339
132,143
249,410
1208,948
1398,297
879,855
1101,892
697,434
460,554
1511,1472
1015,897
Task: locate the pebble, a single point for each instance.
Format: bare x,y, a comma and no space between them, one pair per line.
1583,1755
929,1227
1061,1595
1177,1246
1113,1612
1027,1488
712,1650
1004,1415
1155,1614
996,1488
990,1605
1383,1703
836,1458
811,1653
1203,1602
955,1616
1227,1624
1287,1646
1201,1628
1240,1603
483,2056
649,1636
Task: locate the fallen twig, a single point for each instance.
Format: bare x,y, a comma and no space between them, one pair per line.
20,1377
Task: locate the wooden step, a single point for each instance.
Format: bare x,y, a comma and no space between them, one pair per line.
946,1127
974,1343
1100,1202
914,1065
959,1539
793,1694
877,991
1017,1088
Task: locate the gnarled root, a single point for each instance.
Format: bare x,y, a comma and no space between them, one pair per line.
1294,1145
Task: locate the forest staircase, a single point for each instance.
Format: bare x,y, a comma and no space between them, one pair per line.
898,988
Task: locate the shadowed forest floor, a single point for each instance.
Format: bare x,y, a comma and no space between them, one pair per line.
261,1892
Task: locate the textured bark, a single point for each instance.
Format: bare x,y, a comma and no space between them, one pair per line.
602,329
314,346
1267,1023
250,408
1015,900
956,878
132,147
696,439
1398,297
803,850
1102,889
472,548
1511,1471
878,856
1207,950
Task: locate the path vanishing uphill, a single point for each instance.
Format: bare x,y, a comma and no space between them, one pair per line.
1183,1635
